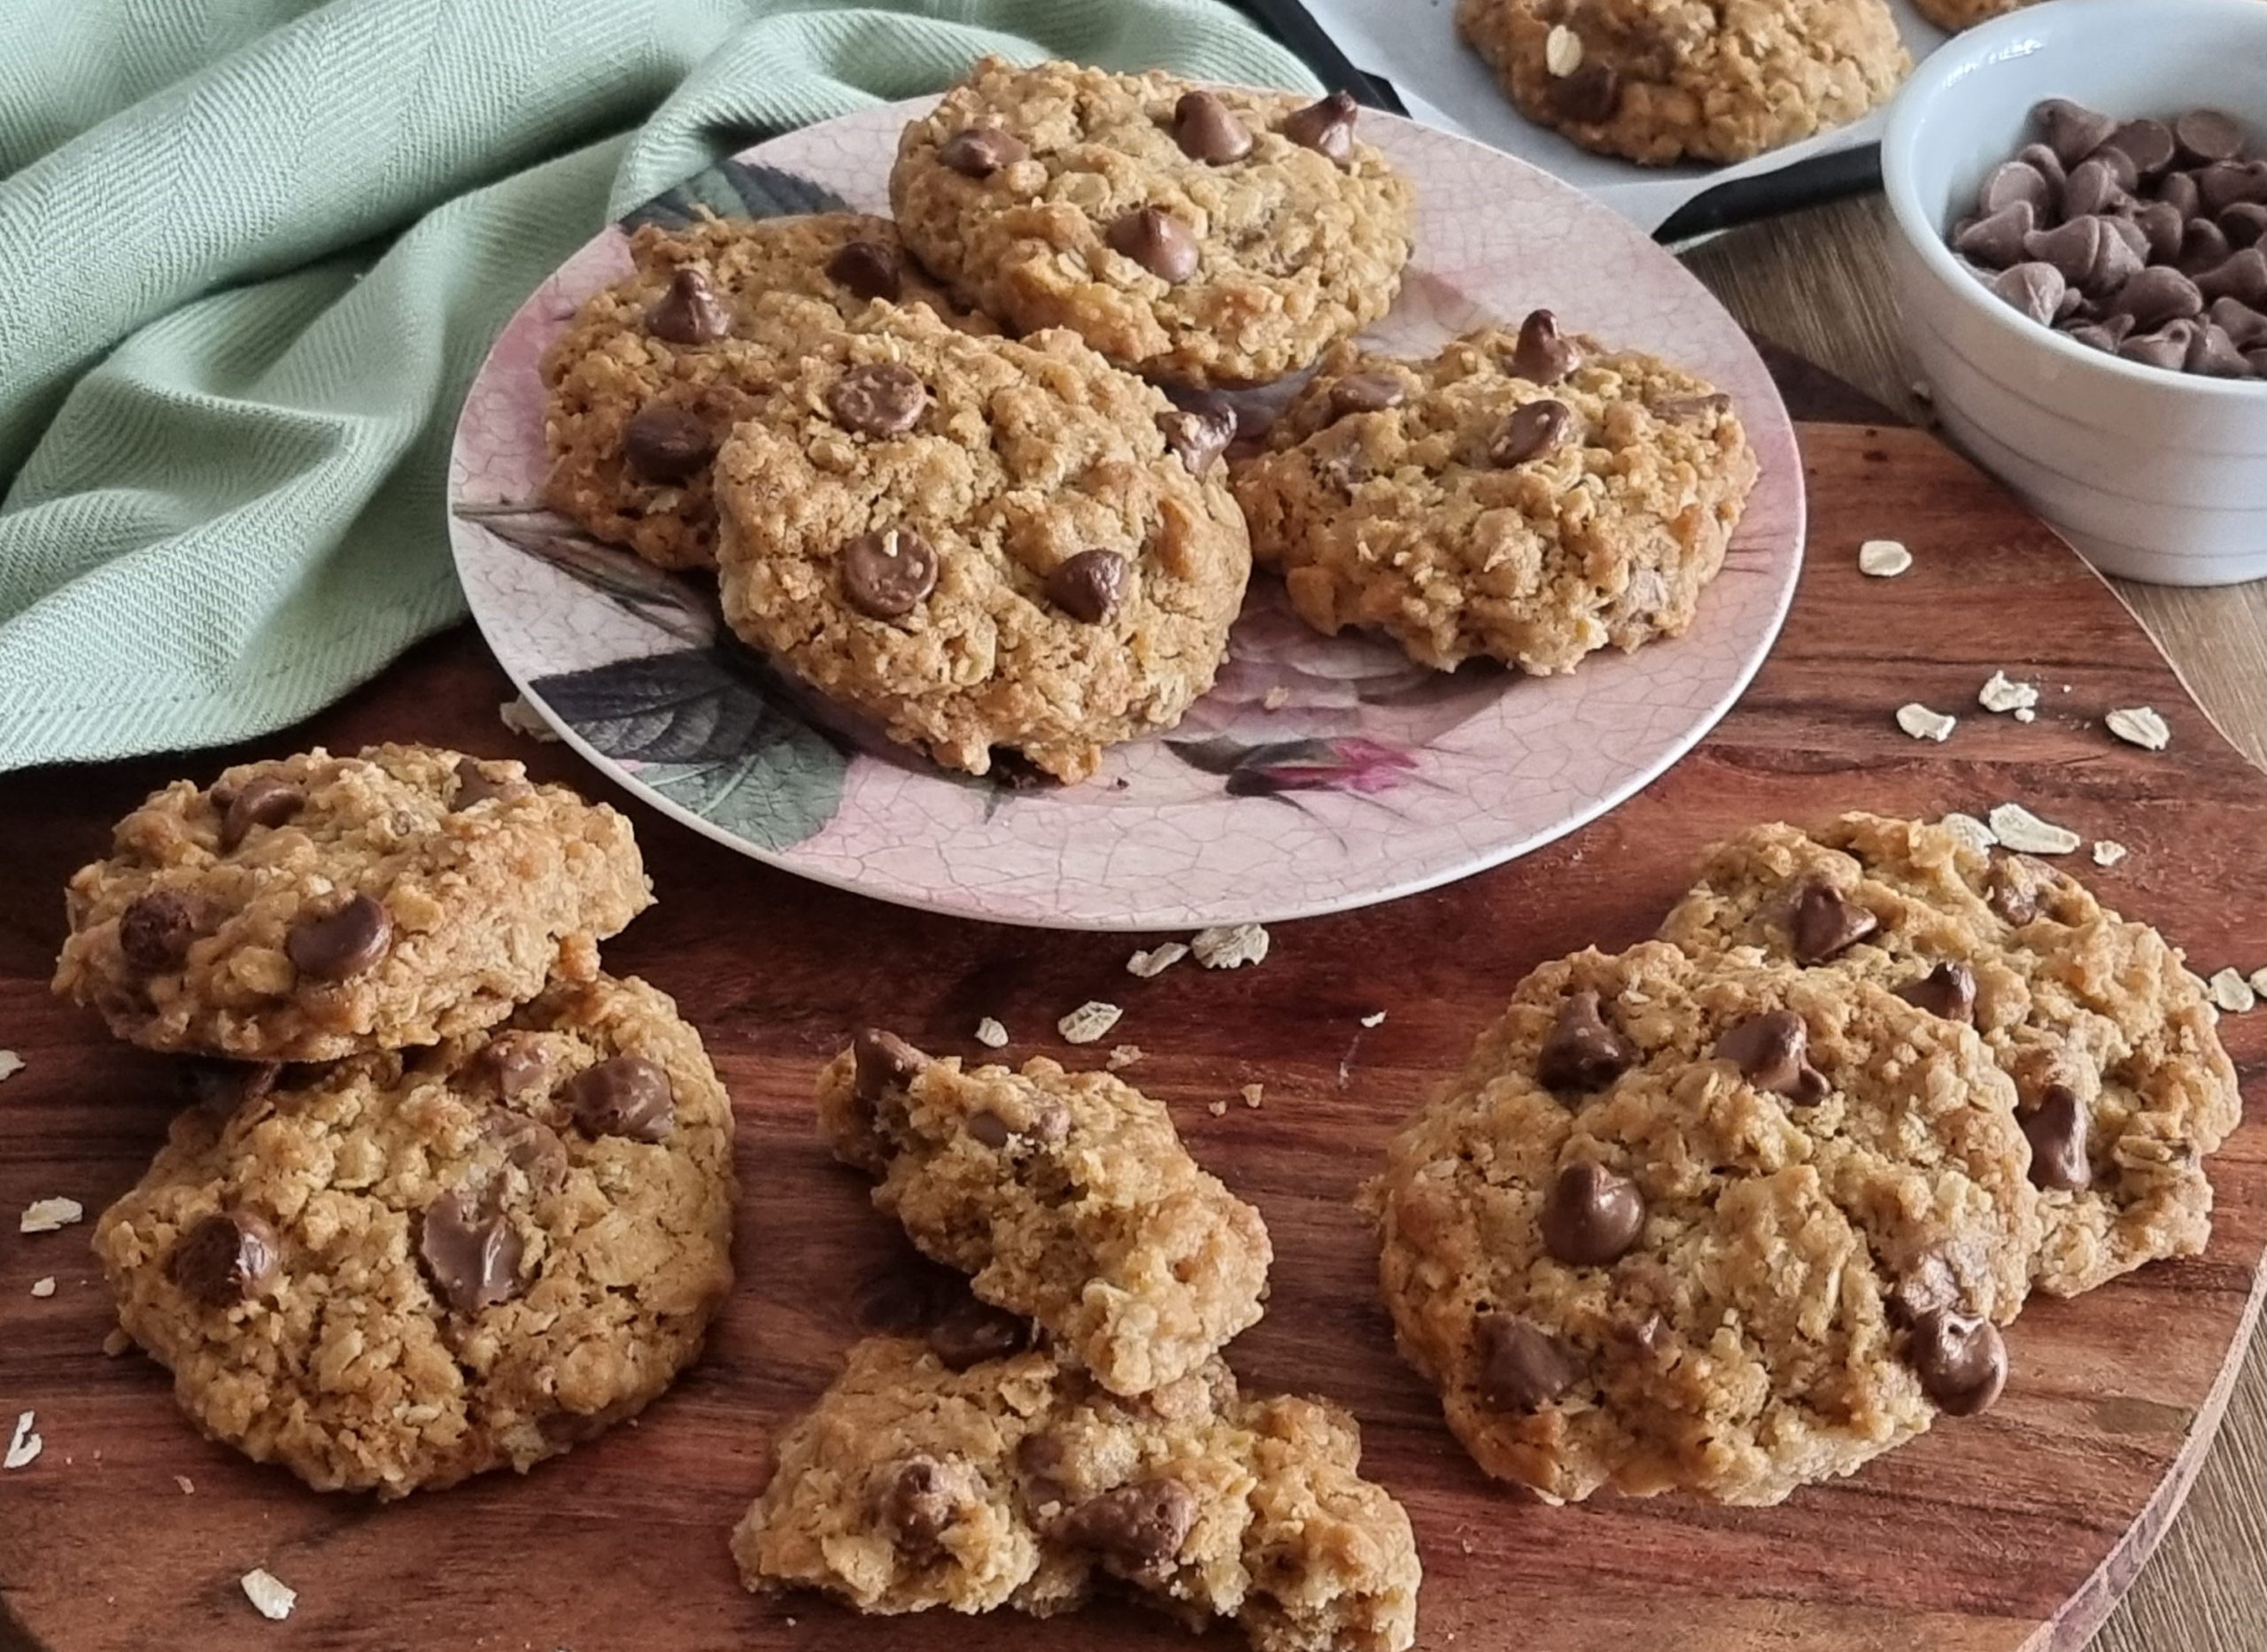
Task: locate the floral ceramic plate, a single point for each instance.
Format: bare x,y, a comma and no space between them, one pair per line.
1319,774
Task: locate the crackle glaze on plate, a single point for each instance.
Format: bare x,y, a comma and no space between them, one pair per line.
1320,773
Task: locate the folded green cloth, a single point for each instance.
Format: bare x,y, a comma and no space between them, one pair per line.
252,250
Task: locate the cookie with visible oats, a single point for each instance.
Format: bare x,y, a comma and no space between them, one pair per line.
1209,236
1019,1483
315,907
653,371
1524,495
2120,1078
410,1267
1664,80
983,543
1691,1225
1067,1197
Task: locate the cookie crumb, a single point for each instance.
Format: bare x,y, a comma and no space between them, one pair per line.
1088,1022
188,1486
24,1449
991,1034
1253,1094
1156,961
1562,50
1122,1056
1218,1109
524,720
2140,725
1923,724
270,1597
1275,698
1969,830
1883,558
2109,852
45,1216
1230,946
1376,1018
2000,692
2018,828
11,1064
44,1287
117,1342
2233,993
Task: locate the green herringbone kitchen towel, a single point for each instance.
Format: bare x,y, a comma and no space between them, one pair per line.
252,250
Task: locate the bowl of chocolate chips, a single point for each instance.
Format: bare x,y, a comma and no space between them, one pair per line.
2080,196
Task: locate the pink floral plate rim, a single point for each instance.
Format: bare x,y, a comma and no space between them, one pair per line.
1321,775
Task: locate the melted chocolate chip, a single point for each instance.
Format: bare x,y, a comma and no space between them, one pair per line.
475,785
2058,1131
1591,1217
1199,430
1543,354
625,1095
516,1062
882,1061
1589,95
921,1498
339,944
1141,1525
1825,923
867,269
1582,1053
530,1145
1772,1052
471,1254
689,312
155,931
1522,1368
1326,127
1088,586
1366,393
229,1256
880,398
263,801
1208,130
887,576
1530,432
979,151
1948,989
972,1332
1961,1363
1158,241
666,444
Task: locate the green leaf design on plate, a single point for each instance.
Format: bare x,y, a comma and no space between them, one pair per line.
731,189
709,730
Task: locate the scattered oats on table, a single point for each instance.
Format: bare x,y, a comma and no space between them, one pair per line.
1970,831
44,1287
1923,724
2140,725
1253,1094
1122,1056
1218,1109
1376,1018
2020,829
1230,946
1156,961
2109,852
991,1034
11,1064
1883,558
2259,982
25,1446
269,1596
2233,993
45,1216
1088,1022
2001,693
523,719
188,1486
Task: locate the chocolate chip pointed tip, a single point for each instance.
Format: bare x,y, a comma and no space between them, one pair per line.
880,1061
1158,241
1208,130
1772,1051
1326,126
979,151
689,311
1824,924
1948,989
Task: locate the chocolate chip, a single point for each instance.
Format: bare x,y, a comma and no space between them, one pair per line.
229,1256
1823,922
2178,190
2037,289
1962,1362
1522,1368
1089,586
1141,1525
1366,393
2244,224
2213,354
208,1082
689,312
1948,989
972,1332
2166,348
1997,239
2136,238
1543,354
1158,241
342,944
882,1061
880,398
2018,888
155,931
1582,1053
2155,296
922,1498
2071,130
624,1095
2203,246
2097,185
1207,130
2222,186
1591,1217
2161,225
867,269
2241,276
2015,183
1530,432
2089,254
1200,430
2058,1129
2206,135
471,1254
979,151
530,1143
1772,1052
2102,336
666,444
475,785
516,1064
2148,144
2246,327
263,801
1327,128
1589,95
887,576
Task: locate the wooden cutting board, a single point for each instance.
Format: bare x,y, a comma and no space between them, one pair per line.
2015,1530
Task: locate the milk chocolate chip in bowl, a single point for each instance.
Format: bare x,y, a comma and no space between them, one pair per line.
887,576
1962,1362
1591,1217
337,946
1326,127
1158,241
1141,1525
1088,586
689,312
263,801
880,398
979,151
1582,1053
1543,354
2057,1129
666,444
1207,130
228,1257
1948,989
866,269
470,1252
1772,1052
155,931
626,1095
1825,923
1522,1368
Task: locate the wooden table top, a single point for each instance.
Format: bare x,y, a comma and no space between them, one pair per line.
1818,282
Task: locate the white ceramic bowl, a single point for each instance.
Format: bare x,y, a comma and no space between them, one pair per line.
2151,474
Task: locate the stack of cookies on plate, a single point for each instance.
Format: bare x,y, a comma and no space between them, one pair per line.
452,1198
983,476
1746,1206
1071,1423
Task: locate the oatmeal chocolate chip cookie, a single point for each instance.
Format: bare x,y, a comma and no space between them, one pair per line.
1685,1226
654,372
1211,238
2120,1080
1067,1196
1665,80
1525,494
982,543
316,907
1019,1483
415,1266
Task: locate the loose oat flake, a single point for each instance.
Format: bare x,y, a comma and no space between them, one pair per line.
188,1486
1883,558
45,1216
44,1287
523,719
1275,698
269,1596
1376,1018
1122,1056
2109,852
2232,992
24,1449
1218,1109
1562,50
2019,829
11,1064
1923,724
1156,961
2259,982
1088,1022
1253,1094
2140,725
2002,693
991,1034
1969,830
1230,946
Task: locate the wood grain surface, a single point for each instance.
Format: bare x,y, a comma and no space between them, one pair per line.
2015,1530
